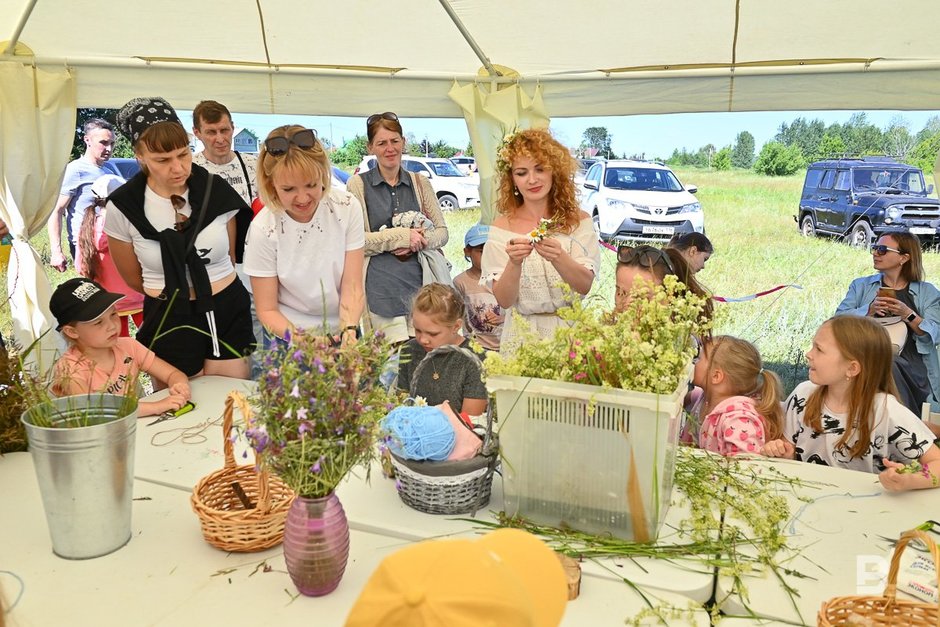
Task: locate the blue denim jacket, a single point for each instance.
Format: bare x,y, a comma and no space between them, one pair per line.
926,298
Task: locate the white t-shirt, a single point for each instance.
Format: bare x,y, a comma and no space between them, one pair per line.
212,243
233,174
897,434
307,258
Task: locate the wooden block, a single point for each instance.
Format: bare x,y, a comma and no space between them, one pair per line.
572,575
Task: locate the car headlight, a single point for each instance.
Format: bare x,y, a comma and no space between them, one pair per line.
615,203
893,213
692,207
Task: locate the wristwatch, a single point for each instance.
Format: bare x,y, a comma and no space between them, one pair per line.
912,317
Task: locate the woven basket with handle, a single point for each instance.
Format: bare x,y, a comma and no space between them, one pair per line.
886,609
220,498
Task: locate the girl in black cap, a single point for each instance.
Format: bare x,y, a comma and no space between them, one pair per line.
174,233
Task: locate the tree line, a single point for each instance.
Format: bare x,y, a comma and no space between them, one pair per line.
803,141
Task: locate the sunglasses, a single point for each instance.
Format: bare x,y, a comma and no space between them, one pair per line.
881,249
181,220
647,256
305,140
375,117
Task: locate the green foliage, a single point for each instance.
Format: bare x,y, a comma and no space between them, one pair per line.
803,134
646,347
722,160
831,146
122,147
776,159
742,155
469,149
924,154
597,137
352,151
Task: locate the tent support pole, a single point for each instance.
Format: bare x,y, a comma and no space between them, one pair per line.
11,45
469,38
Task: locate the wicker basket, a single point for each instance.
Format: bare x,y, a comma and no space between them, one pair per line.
226,523
885,610
448,487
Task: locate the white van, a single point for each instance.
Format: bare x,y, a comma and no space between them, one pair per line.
453,189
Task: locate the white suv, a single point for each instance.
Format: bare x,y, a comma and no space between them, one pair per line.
453,189
639,200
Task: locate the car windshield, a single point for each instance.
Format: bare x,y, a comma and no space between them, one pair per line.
444,168
902,179
647,179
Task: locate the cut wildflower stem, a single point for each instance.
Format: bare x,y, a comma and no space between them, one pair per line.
318,409
735,528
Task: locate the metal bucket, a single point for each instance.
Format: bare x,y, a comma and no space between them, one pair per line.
85,466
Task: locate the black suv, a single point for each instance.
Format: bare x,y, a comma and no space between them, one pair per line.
859,199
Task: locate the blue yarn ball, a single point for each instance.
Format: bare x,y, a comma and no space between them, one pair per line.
420,433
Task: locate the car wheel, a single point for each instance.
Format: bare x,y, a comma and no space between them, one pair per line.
861,235
808,226
448,202
596,219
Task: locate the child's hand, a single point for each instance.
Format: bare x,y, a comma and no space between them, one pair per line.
891,479
779,448
170,403
491,317
182,389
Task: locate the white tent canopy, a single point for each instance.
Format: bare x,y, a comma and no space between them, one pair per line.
605,57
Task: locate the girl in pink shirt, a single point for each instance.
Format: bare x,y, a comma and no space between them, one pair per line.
93,257
741,402
98,360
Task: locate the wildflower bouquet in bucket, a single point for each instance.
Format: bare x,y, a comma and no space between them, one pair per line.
318,408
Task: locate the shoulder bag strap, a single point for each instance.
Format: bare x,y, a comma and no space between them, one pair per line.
251,194
200,219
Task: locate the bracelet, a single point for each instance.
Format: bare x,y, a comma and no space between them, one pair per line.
351,327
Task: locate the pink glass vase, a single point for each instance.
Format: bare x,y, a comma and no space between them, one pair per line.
316,544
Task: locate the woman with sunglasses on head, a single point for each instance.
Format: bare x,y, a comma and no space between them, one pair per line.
651,264
898,297
173,234
304,250
541,238
392,269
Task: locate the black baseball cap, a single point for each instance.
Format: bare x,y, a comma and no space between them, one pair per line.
80,300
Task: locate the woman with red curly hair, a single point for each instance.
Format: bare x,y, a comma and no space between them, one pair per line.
541,238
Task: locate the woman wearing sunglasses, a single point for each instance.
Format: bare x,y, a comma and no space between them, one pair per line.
172,231
898,296
527,259
393,271
304,251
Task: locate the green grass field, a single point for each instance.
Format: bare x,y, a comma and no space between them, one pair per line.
749,218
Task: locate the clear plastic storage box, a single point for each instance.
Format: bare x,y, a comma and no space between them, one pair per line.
594,459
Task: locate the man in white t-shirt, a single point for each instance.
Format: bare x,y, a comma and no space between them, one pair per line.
75,194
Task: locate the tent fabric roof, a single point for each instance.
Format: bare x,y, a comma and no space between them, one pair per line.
606,57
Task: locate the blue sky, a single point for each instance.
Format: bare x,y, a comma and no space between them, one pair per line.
654,135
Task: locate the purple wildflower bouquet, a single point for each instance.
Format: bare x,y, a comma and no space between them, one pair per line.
318,407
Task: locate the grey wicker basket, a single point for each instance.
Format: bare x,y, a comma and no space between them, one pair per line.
449,487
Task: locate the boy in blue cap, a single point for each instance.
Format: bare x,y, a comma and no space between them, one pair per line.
484,319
